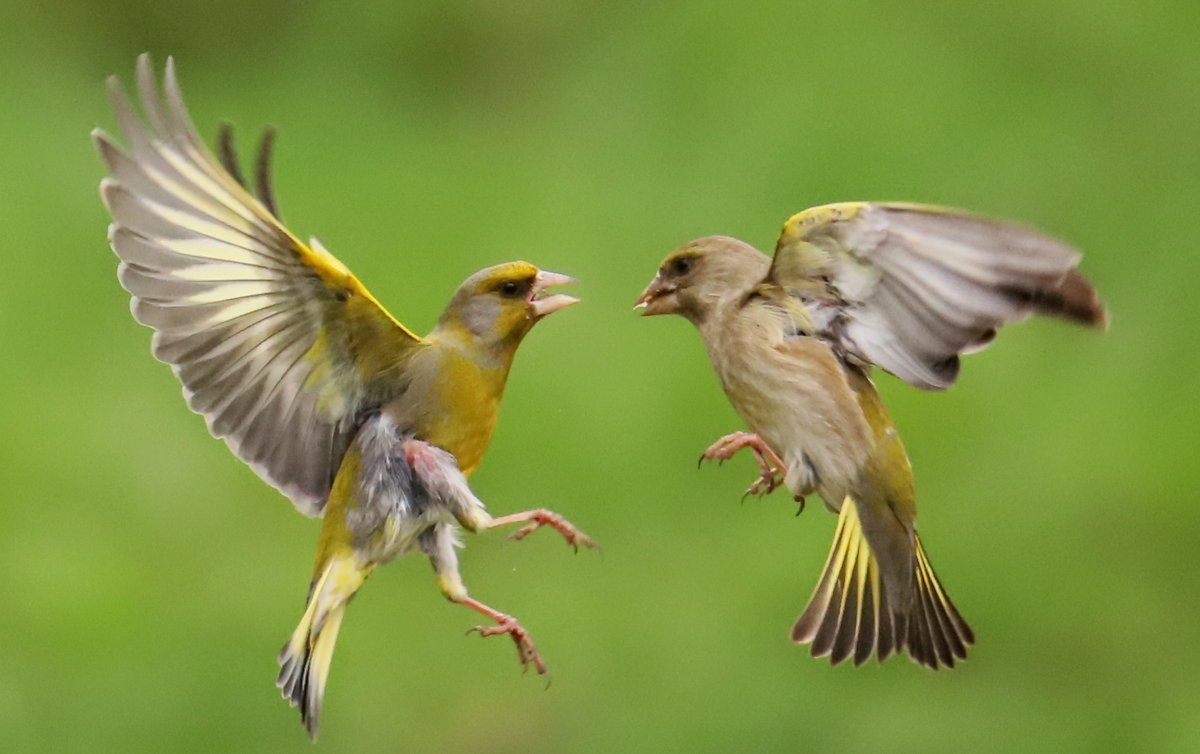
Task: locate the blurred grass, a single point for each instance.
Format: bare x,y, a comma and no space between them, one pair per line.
148,578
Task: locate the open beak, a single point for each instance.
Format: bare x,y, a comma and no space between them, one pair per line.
543,305
658,298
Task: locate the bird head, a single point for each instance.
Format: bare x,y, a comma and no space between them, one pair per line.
700,275
498,305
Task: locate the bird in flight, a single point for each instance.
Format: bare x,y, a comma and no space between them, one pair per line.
307,378
793,338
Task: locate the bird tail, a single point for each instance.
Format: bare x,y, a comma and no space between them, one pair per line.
304,660
851,611
936,631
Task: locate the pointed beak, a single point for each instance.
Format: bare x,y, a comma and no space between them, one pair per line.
543,305
657,298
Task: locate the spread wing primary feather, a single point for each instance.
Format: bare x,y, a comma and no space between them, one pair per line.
263,330
910,287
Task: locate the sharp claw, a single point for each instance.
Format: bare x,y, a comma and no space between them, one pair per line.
769,463
527,653
767,483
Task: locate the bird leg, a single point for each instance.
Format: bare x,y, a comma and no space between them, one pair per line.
542,517
441,477
770,465
438,543
506,624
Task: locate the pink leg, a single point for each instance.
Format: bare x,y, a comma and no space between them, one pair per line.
506,624
770,465
542,517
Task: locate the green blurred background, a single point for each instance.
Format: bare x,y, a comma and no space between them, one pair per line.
147,578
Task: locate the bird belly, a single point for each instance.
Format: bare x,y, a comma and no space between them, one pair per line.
390,502
805,413
785,422
400,533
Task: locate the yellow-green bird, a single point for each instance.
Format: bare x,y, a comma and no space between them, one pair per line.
904,287
307,378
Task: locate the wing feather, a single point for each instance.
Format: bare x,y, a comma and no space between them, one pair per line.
252,321
915,286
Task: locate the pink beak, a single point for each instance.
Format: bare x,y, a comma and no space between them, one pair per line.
550,304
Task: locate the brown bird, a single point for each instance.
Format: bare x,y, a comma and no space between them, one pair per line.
904,287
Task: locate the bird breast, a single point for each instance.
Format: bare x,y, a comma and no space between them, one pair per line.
792,391
452,401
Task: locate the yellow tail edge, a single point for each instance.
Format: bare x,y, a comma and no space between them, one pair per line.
851,614
305,659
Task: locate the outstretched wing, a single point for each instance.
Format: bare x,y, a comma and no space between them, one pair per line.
276,342
910,287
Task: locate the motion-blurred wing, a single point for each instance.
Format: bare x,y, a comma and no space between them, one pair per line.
265,333
910,287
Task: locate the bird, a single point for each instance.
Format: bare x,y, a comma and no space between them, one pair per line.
793,338
307,378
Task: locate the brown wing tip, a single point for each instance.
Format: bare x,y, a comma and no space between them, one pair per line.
1075,299
262,171
227,152
1072,298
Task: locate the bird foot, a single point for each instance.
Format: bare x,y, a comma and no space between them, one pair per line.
725,448
526,652
543,517
767,482
770,465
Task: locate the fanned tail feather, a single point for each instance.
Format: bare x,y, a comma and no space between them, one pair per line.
937,632
304,661
850,613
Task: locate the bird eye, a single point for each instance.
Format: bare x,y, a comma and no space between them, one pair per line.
681,265
509,288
